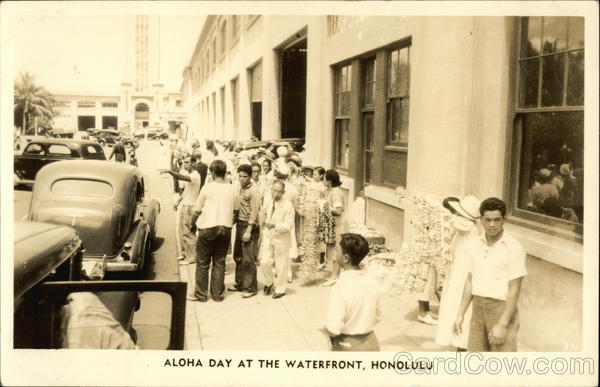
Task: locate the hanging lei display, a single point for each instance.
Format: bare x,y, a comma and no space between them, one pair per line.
315,227
406,271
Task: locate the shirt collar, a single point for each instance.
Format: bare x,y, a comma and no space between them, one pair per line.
501,240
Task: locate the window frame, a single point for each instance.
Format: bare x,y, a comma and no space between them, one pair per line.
379,108
539,222
235,33
338,118
222,37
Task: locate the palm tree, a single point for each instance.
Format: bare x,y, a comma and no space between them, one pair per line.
31,101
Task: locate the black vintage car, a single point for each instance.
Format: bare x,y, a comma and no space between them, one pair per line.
105,202
54,308
41,152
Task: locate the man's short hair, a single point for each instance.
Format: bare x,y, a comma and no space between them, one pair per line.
192,158
219,168
319,170
492,204
356,246
256,165
245,168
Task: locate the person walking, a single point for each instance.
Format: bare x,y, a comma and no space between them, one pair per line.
189,195
337,205
493,285
246,235
277,239
466,214
118,152
213,216
354,301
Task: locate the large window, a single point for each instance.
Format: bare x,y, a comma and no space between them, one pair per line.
368,116
235,29
235,103
548,168
371,116
343,90
397,88
223,39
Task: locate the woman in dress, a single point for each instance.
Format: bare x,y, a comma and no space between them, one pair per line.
337,206
466,213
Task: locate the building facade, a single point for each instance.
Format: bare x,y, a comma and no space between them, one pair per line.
439,106
139,103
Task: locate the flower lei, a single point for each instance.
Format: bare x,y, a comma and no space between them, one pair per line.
406,271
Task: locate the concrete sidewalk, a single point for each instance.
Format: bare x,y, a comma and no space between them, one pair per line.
291,323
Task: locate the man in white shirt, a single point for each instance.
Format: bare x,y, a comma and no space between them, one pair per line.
189,195
497,268
213,216
279,220
354,300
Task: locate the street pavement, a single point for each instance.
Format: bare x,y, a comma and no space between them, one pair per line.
258,323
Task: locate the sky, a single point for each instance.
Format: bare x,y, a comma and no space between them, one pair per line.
88,53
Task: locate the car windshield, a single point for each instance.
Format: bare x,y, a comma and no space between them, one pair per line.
81,187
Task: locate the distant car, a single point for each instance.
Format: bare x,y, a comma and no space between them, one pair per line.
43,151
107,136
54,308
295,143
105,202
140,133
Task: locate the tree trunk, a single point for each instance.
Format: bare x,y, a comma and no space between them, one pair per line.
35,125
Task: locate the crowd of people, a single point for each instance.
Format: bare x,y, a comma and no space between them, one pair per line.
264,205
269,209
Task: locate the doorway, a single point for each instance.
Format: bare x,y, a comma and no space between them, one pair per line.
293,90
256,100
109,122
142,115
86,122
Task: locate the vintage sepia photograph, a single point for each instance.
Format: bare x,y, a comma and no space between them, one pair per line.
213,178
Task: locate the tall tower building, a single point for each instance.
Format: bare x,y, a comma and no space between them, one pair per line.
147,52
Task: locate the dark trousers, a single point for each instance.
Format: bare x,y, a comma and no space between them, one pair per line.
486,314
244,255
211,246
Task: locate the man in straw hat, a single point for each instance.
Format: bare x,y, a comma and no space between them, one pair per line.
496,271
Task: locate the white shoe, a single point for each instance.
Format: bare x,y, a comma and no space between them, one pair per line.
330,282
427,319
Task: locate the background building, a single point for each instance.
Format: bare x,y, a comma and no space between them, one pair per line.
140,102
442,106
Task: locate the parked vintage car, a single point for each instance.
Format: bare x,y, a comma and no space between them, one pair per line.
41,152
107,136
105,202
54,308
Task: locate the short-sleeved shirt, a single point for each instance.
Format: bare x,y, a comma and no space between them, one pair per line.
492,267
337,201
354,304
191,189
216,201
250,199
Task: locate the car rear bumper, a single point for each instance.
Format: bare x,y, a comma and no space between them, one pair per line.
115,264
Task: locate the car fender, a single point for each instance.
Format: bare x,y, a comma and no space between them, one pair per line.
150,211
138,236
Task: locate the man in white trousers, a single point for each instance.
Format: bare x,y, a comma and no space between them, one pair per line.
277,240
